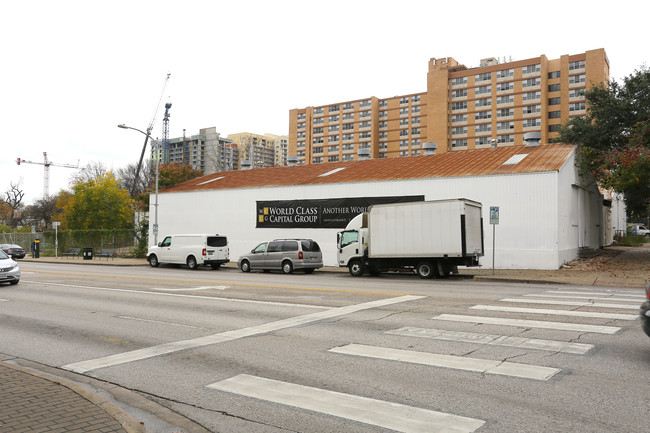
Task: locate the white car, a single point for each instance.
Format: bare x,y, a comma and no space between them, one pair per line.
191,250
9,270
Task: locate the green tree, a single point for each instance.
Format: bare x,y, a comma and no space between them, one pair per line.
614,139
174,173
98,204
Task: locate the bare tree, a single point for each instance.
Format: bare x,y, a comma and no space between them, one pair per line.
125,176
93,171
43,211
14,197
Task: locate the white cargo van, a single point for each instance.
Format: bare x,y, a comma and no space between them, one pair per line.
191,250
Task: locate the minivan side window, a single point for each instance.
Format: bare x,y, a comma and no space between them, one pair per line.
309,245
217,241
260,248
289,246
166,242
274,247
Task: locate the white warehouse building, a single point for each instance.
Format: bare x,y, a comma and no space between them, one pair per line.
547,213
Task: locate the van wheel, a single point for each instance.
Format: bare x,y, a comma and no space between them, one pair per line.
191,263
245,266
153,261
287,267
424,270
356,268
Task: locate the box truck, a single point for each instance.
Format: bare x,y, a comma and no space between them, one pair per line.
431,237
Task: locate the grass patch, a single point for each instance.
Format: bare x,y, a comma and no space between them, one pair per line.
632,240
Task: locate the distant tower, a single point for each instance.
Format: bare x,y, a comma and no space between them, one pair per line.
165,138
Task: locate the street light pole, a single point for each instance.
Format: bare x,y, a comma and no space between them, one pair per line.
157,153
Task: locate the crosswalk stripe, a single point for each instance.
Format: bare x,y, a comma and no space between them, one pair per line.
637,295
598,329
571,303
486,366
381,413
494,340
594,298
571,313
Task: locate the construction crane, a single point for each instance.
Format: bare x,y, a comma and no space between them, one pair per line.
165,139
147,135
46,165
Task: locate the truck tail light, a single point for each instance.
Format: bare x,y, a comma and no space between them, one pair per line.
203,252
300,255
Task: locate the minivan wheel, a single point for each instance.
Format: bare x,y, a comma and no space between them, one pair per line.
191,263
245,266
153,261
287,267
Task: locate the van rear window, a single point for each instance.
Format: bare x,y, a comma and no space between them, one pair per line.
217,241
308,245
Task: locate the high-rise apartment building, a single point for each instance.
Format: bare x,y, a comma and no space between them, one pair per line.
462,108
257,150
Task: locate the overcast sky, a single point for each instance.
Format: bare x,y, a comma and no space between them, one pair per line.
73,70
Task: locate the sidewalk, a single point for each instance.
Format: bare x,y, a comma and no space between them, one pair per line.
40,400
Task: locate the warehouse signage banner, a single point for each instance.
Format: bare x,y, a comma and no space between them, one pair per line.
319,214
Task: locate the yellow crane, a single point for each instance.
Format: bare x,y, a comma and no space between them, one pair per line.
46,166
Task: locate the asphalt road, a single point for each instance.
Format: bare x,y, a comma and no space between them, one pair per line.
328,352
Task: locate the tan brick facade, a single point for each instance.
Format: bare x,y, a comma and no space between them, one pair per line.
463,108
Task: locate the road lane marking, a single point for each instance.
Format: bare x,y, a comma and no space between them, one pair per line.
4,300
264,328
484,366
570,303
494,340
162,322
594,298
561,326
637,295
214,298
191,289
380,413
571,313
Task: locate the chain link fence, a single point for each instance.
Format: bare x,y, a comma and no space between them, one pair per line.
126,243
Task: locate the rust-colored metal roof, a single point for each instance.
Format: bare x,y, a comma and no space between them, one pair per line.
478,162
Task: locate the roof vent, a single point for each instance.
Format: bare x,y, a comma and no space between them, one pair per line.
429,148
292,160
493,143
364,153
246,164
532,138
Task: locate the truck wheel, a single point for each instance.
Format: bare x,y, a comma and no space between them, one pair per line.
424,270
356,268
287,267
191,263
153,261
245,266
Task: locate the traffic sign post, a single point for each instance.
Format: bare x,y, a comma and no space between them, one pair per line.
55,225
494,220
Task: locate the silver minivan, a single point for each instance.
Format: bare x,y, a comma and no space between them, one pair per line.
284,255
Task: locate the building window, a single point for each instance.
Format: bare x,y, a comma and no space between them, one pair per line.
486,127
317,159
578,106
348,147
333,149
348,116
404,122
365,124
531,82
318,110
459,81
554,128
300,153
404,153
576,93
483,77
333,108
459,118
509,138
554,101
531,69
505,99
403,111
348,157
365,113
461,142
404,100
333,128
318,130
485,102
383,125
505,73
530,123
301,144
349,106
483,89
365,103
505,112
531,95
415,98
459,93
383,114
554,74
480,141
554,88
301,125
348,126
333,158
554,114
415,143
482,115
383,155
347,137
415,131
333,139
580,64
318,121
415,109
403,132
383,103
415,120
403,143
317,150
301,116
383,145
459,130
505,125
528,109
333,119
509,85
383,135
363,135
459,105
573,79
